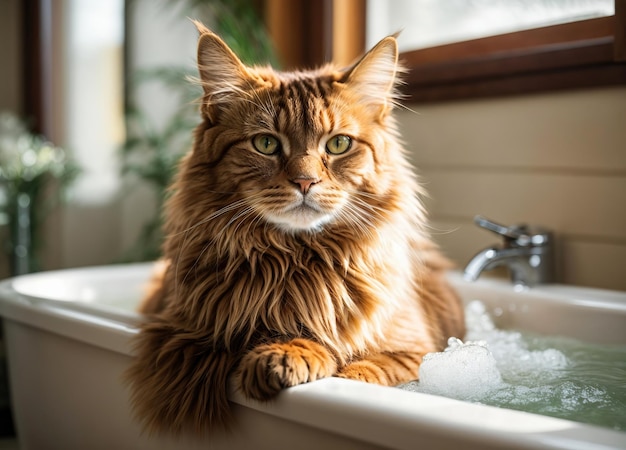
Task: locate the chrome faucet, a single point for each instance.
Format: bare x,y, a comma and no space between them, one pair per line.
528,253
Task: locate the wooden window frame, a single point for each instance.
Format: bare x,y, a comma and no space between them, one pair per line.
308,33
36,41
575,55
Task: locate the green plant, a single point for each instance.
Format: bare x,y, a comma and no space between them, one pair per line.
33,175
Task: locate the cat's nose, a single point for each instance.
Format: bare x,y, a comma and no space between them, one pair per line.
305,183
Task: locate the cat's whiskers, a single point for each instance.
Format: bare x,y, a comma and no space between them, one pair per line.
215,214
234,206
259,104
375,210
267,107
371,195
358,213
194,265
212,216
356,217
403,105
247,211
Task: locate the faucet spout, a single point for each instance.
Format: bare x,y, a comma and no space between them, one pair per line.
528,266
526,252
483,260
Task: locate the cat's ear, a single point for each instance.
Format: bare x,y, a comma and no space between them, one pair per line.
222,74
373,78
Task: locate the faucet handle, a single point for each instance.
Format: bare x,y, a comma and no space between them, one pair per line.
519,235
508,232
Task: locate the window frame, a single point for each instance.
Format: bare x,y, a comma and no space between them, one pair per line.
582,54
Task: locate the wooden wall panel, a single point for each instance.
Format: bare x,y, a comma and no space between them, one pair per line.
577,131
577,205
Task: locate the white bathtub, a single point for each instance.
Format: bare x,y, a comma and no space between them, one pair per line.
67,335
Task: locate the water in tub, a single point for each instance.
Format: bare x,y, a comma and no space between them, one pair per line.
553,376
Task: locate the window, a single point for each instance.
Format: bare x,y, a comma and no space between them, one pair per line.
589,51
429,23
73,85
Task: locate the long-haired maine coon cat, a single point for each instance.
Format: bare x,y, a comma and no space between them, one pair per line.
296,244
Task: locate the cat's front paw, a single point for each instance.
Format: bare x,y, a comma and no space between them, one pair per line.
269,368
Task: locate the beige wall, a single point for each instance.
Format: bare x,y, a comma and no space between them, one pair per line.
557,160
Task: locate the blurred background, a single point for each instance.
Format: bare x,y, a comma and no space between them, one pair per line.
515,110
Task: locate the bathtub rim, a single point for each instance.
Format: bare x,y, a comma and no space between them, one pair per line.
541,302
558,293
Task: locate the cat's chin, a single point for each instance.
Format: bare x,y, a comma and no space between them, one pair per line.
301,219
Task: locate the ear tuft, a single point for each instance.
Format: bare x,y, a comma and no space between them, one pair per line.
374,76
202,29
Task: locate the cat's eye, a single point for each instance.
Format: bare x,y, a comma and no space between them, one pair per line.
266,144
339,144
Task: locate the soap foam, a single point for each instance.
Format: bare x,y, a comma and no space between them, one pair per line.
485,362
465,371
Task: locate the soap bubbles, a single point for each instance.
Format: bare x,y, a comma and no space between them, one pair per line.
489,363
465,371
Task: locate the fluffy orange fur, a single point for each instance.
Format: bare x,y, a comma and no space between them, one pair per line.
296,244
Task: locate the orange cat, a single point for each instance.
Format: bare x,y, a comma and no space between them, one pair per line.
296,245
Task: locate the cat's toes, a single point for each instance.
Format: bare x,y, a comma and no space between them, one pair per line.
269,368
363,371
388,369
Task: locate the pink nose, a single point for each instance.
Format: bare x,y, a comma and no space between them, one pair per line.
305,183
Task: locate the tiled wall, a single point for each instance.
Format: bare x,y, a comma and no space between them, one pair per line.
557,160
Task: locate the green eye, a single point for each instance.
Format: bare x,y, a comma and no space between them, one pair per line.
339,144
266,144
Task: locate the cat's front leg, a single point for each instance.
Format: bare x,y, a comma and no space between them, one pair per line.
269,368
386,368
